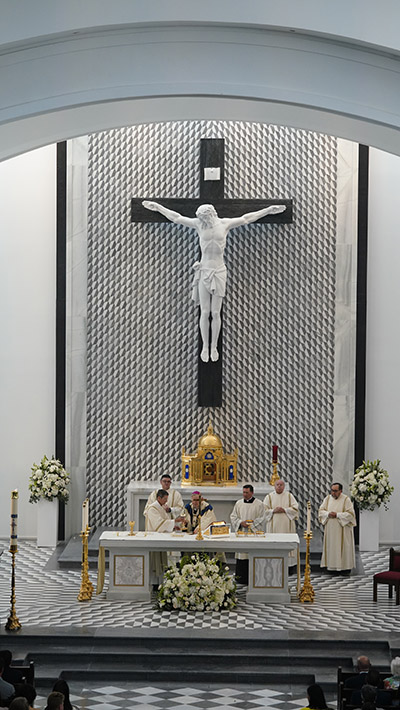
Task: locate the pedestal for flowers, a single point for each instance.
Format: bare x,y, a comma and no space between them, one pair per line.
369,530
370,489
47,523
48,484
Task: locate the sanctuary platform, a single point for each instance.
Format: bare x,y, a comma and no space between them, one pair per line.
124,654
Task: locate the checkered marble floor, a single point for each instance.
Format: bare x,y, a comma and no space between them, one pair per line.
112,697
48,598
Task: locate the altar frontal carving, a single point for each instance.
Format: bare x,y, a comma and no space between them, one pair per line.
210,466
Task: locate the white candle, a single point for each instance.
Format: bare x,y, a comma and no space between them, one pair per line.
84,515
14,517
87,512
308,517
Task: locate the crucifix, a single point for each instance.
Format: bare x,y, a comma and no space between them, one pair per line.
210,272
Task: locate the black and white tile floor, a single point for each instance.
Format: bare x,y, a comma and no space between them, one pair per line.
48,598
113,697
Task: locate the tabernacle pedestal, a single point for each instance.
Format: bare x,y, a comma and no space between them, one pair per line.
129,576
221,498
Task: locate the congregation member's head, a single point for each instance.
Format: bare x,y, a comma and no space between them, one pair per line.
368,697
279,486
162,496
26,690
248,491
165,481
19,704
336,489
316,697
55,701
363,664
395,667
6,656
61,686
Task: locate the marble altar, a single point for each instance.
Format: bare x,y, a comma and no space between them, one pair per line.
129,576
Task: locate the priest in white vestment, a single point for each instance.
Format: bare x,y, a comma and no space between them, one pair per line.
337,516
282,510
159,520
248,512
175,505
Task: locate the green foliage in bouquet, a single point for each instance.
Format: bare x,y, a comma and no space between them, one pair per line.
197,583
48,480
371,487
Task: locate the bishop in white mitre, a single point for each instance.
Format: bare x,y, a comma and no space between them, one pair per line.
282,510
248,512
337,516
175,503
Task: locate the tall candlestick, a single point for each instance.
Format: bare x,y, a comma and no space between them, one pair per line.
14,518
308,516
274,454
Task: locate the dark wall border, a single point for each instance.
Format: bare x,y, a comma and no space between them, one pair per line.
361,334
61,280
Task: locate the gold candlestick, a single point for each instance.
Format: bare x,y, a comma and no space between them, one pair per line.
275,474
131,525
307,593
86,590
199,536
13,623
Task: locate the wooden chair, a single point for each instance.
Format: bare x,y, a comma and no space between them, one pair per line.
391,577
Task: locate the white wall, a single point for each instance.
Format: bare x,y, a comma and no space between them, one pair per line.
27,325
383,330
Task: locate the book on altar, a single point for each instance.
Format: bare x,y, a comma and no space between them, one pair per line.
218,528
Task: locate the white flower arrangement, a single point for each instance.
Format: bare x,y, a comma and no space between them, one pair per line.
48,480
371,487
197,583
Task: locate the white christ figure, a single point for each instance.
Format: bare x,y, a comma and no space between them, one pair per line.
210,272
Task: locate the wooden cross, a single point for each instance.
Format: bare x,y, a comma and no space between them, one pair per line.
212,192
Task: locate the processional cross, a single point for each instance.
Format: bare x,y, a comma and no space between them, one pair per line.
211,191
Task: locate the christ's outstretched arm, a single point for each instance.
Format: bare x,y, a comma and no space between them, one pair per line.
250,217
170,214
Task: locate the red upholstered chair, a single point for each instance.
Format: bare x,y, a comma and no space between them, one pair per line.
391,577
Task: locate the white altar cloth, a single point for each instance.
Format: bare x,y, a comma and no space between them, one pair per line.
129,574
222,498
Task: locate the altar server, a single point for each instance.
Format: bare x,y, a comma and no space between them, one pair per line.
282,510
337,516
175,505
249,512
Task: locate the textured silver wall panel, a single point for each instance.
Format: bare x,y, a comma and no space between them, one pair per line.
279,311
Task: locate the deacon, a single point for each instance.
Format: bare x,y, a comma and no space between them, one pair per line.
174,505
249,512
337,516
282,510
192,510
159,520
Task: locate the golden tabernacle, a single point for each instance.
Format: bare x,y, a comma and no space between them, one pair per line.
220,527
209,466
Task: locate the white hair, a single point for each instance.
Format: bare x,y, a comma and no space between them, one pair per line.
395,666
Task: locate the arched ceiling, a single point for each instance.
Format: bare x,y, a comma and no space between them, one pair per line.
93,66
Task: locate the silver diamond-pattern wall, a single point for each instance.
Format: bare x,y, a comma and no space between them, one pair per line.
279,311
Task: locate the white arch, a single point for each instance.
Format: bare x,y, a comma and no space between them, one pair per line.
80,81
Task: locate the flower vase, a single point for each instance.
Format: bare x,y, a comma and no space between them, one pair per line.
47,523
369,530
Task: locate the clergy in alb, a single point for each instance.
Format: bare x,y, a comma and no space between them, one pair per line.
282,510
337,516
159,520
249,512
192,513
175,505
